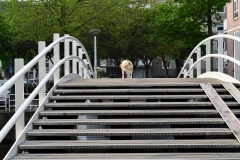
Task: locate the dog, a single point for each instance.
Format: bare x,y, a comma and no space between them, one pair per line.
127,67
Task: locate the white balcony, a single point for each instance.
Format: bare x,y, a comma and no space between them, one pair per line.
225,24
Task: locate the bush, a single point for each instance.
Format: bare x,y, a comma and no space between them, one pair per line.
1,77
101,73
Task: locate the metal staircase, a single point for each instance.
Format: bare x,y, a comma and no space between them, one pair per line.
137,119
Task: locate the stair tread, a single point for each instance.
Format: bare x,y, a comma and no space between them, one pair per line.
130,121
130,104
70,97
138,82
133,112
153,90
188,137
109,156
115,144
134,104
130,132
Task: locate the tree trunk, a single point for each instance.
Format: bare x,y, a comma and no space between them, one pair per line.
165,66
210,33
146,68
179,64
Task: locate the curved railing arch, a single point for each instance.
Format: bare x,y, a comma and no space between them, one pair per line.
205,40
212,55
24,106
35,60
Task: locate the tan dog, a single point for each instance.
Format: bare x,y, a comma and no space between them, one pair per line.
127,66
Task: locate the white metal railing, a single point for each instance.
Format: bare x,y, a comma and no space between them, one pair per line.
37,59
4,101
23,107
11,102
28,66
206,42
212,55
29,126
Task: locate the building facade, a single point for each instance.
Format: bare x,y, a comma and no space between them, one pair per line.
231,27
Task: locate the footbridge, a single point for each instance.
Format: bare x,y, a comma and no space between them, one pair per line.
152,118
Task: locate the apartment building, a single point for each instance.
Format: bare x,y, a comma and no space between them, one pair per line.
231,27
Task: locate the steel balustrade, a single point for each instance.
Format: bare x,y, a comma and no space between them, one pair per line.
204,41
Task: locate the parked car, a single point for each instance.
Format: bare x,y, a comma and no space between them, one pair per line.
31,81
5,96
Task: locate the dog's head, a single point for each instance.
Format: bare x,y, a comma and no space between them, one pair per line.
124,64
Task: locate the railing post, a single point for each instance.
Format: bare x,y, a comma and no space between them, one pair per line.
190,64
85,70
66,54
80,66
41,71
199,65
208,60
56,56
19,97
220,51
74,53
237,56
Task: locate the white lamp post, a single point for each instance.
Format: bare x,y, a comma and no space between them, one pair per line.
95,32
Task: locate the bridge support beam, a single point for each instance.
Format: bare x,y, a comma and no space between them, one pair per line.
41,71
199,65
220,51
237,57
56,57
19,99
208,60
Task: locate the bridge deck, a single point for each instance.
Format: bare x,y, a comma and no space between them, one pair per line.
146,81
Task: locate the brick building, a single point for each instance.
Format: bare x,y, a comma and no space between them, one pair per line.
231,27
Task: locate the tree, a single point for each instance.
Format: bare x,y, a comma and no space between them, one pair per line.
121,34
33,20
6,54
203,12
176,27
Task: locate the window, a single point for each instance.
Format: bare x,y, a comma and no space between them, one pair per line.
168,64
222,10
235,9
220,27
223,45
47,67
225,61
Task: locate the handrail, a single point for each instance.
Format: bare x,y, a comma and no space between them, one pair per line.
202,42
23,107
212,55
11,81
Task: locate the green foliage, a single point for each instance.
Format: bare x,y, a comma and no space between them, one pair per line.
128,30
101,73
178,30
203,12
1,77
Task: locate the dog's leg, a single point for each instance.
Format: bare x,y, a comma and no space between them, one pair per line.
122,73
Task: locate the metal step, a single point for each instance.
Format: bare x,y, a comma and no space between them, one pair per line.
111,127
133,97
131,132
129,121
139,82
125,156
134,112
142,90
133,144
137,104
